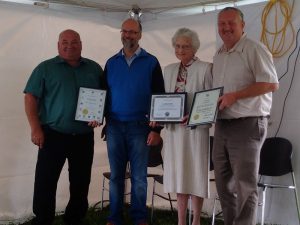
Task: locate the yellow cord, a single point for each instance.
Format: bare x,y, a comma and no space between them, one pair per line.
276,40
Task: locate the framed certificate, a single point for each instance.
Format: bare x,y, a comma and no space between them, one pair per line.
168,107
90,105
204,107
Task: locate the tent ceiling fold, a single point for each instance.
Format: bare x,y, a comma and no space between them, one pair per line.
151,6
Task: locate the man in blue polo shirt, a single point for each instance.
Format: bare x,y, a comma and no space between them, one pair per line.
50,103
132,75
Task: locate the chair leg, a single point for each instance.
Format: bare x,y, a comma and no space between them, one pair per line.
214,212
152,204
190,210
171,205
103,188
263,205
296,196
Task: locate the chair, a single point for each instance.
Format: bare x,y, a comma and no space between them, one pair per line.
275,161
106,176
156,156
154,160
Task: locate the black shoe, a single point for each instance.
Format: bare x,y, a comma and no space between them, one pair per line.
36,221
73,221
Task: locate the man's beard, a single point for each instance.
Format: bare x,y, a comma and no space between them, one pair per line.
128,44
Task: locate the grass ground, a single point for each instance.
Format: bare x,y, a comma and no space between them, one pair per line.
98,217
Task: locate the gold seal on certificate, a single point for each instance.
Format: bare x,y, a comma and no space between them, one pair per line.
204,107
168,107
90,105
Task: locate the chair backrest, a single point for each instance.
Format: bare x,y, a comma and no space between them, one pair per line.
275,157
155,158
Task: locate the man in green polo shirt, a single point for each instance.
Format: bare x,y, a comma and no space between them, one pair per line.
51,97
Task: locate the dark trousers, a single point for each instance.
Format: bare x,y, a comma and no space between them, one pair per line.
79,151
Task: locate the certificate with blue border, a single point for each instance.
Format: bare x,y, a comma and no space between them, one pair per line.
204,108
90,105
168,107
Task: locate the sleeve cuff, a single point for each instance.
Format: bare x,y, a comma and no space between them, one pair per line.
156,129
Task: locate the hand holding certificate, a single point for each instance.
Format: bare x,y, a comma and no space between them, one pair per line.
90,105
205,107
169,107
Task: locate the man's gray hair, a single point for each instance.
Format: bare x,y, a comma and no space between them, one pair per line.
240,13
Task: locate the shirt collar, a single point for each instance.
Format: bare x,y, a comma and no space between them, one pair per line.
136,53
58,59
190,62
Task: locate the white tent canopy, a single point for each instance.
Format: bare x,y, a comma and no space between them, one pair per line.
29,35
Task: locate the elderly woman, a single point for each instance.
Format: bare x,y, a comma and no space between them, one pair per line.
186,153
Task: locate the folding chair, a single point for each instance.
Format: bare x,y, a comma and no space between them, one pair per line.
155,155
154,160
275,161
106,176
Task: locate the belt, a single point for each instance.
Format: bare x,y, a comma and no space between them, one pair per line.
47,129
244,118
137,122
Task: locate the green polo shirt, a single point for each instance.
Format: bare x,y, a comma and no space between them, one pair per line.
56,84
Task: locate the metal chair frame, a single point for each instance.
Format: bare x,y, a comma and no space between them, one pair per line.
106,176
159,179
275,161
154,160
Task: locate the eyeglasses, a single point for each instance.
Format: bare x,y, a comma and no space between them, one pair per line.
183,47
130,32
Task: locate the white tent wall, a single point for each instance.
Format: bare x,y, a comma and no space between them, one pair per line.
29,34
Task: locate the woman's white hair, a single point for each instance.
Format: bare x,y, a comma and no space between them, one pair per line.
186,32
